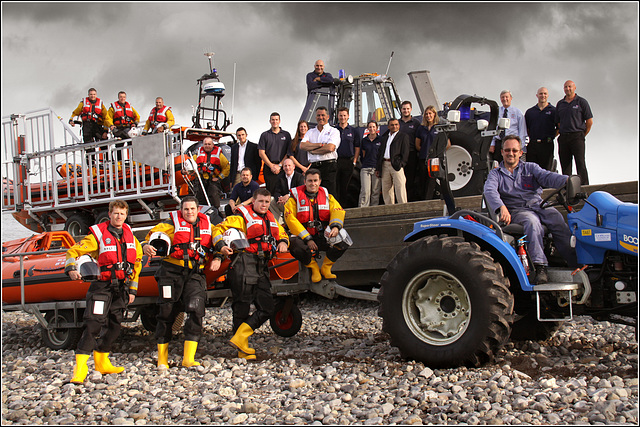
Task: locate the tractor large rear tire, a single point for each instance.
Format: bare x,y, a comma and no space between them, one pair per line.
446,303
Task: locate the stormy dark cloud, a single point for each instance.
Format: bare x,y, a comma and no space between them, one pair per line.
53,52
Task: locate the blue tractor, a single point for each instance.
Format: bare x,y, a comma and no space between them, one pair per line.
461,289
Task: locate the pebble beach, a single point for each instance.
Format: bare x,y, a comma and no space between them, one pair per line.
339,369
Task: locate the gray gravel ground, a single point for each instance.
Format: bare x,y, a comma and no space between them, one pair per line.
339,369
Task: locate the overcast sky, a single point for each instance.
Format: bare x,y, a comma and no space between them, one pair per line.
53,52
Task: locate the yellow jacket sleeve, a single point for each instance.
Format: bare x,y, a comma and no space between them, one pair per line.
87,246
136,116
337,213
147,125
233,221
291,219
137,268
226,167
108,121
77,111
170,119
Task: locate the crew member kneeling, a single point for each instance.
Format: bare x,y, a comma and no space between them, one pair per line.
113,286
181,278
307,213
249,274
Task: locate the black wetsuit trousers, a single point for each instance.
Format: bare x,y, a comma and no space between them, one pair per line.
103,316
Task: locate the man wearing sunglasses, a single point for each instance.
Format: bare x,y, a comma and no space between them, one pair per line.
513,190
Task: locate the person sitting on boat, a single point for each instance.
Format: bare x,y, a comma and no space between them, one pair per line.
122,117
118,254
181,278
93,114
249,276
310,211
160,118
213,167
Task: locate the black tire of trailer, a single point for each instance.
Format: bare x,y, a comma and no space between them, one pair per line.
148,318
286,326
463,167
463,294
78,224
61,338
101,216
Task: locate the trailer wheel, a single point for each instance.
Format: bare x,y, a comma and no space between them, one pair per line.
446,303
467,180
78,224
148,317
102,216
61,338
286,325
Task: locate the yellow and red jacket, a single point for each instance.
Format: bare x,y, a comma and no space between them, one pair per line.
185,234
301,212
156,116
213,164
90,112
257,228
122,116
107,251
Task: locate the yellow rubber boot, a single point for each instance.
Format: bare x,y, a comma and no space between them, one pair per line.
103,364
163,355
189,354
81,370
243,355
326,269
241,339
315,271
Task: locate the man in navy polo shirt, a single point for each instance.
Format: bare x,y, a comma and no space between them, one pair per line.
542,130
348,153
272,149
574,120
318,78
242,192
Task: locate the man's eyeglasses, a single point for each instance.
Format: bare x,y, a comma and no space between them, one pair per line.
510,150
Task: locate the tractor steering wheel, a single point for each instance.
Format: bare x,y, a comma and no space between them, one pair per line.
560,199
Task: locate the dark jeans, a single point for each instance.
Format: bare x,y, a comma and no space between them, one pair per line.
249,279
104,312
411,173
572,146
328,170
178,288
343,177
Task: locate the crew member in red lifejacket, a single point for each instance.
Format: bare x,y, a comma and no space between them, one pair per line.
160,118
249,275
213,167
122,117
93,114
307,213
181,278
118,255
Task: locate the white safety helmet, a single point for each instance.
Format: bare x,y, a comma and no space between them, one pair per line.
341,241
159,127
189,165
133,132
235,239
88,268
161,242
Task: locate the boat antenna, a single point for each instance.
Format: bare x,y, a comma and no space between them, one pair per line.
389,64
210,56
233,96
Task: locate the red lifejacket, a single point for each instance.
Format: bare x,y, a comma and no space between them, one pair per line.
209,163
262,233
110,251
305,209
122,116
158,116
185,234
91,111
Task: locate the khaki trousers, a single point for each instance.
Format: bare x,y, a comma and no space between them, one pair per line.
393,184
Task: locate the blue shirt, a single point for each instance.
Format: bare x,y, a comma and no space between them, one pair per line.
243,192
410,128
349,139
426,139
541,124
519,189
572,116
517,127
369,151
326,79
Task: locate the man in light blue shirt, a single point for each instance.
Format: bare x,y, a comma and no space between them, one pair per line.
514,189
518,126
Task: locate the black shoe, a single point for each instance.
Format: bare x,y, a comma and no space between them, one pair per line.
541,274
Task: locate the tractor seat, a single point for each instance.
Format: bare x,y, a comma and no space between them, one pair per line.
512,229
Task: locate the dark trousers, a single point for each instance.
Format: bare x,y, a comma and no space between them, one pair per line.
178,288
328,170
271,179
249,279
104,312
300,250
411,173
572,146
426,186
541,153
344,171
497,153
213,190
93,131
